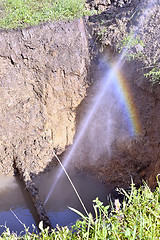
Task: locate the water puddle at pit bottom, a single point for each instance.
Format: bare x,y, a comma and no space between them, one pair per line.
63,195
13,196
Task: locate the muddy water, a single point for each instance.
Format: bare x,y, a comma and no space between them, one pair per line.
63,195
14,197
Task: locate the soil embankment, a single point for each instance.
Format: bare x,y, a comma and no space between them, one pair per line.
43,78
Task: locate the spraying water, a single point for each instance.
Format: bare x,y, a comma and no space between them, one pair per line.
109,84
84,126
109,81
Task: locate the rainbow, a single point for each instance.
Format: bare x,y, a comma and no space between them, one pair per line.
129,103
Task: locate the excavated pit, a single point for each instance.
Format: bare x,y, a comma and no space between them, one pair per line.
46,72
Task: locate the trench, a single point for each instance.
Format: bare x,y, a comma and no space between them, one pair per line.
94,150
88,160
87,155
108,140
117,131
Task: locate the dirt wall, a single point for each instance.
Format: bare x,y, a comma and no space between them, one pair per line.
43,78
138,157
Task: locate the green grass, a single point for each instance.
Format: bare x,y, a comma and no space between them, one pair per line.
154,74
127,44
23,13
126,48
137,217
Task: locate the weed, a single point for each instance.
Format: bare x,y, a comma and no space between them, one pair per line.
131,46
154,74
137,217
